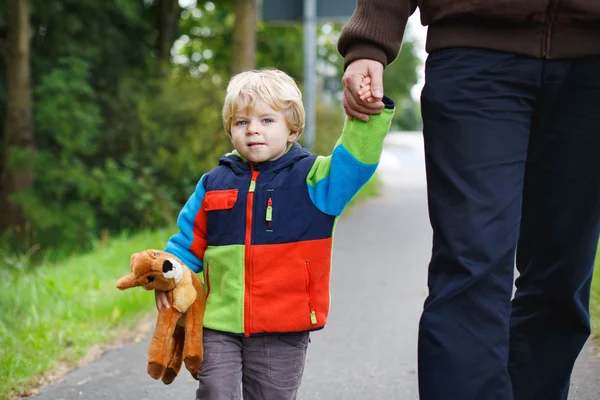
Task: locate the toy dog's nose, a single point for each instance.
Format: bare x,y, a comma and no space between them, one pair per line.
167,266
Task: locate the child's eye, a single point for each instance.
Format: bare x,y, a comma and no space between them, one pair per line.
240,123
267,120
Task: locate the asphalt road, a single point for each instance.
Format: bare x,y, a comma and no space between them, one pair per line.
368,349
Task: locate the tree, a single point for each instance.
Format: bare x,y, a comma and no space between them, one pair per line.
18,144
83,55
167,21
244,36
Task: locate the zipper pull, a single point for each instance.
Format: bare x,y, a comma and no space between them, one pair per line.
269,216
255,173
313,317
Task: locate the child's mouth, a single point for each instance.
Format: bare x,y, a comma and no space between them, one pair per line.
255,144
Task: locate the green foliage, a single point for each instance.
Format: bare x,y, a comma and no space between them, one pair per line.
399,78
274,46
172,134
114,37
207,44
408,116
401,75
66,109
330,121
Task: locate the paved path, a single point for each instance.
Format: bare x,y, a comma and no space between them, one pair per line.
368,349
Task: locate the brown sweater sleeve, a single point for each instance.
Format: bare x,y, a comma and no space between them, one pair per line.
375,30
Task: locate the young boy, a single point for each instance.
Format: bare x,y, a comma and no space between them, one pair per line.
260,228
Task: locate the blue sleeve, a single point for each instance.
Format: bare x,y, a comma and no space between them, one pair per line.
334,180
189,243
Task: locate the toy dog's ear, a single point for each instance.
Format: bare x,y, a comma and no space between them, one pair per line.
127,282
132,259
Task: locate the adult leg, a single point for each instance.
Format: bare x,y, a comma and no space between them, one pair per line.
220,376
477,107
273,366
559,232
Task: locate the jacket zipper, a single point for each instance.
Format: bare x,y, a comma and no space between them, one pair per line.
551,10
269,214
207,280
248,254
311,309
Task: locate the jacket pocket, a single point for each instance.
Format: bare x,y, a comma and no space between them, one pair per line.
207,279
220,199
223,222
311,307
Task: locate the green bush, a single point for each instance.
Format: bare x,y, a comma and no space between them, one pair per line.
132,174
330,121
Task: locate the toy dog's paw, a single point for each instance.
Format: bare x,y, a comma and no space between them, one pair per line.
169,375
155,370
192,364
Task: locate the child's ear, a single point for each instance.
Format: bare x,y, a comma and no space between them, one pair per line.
294,135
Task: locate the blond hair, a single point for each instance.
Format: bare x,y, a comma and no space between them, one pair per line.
275,88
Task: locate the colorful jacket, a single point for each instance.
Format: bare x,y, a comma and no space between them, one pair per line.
263,234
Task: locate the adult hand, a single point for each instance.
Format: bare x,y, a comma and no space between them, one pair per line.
357,72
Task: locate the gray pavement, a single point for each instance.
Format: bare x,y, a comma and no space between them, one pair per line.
368,349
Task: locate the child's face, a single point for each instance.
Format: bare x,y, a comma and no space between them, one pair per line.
261,134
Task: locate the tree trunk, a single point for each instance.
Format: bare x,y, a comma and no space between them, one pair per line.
244,36
18,129
167,23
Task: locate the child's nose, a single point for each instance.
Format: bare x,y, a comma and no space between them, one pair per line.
253,128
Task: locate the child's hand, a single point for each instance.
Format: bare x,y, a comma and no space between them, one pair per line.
365,91
161,300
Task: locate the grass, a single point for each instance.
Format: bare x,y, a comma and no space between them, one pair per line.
55,312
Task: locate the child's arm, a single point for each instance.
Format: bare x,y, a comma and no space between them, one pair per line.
189,243
334,180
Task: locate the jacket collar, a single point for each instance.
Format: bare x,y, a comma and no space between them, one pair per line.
238,165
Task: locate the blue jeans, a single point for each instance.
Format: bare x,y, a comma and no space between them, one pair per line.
512,149
263,367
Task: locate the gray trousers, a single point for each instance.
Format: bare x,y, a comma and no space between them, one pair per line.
267,367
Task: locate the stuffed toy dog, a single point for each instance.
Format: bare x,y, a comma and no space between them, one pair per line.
178,333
